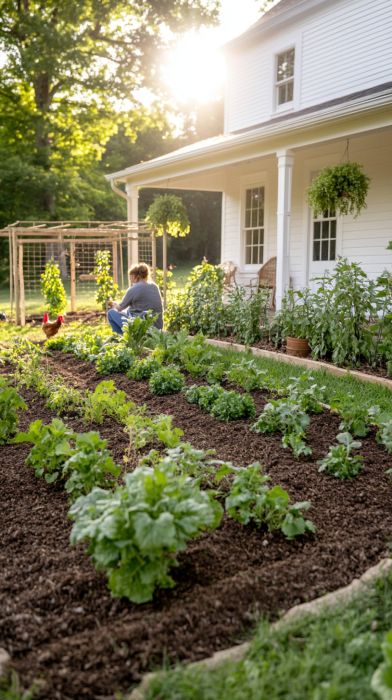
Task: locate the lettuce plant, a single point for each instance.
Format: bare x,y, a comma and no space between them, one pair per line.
135,532
167,380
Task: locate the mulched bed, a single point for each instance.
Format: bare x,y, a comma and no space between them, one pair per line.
57,618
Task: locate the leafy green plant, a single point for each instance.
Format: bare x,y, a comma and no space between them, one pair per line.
144,430
51,447
113,358
184,459
295,317
204,396
381,682
199,307
287,417
89,466
167,380
339,461
104,401
65,399
231,405
53,289
247,313
107,288
135,331
251,500
216,373
384,434
247,375
135,533
356,418
10,405
342,189
143,369
305,392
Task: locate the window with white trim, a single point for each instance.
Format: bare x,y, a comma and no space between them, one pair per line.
285,77
254,226
324,236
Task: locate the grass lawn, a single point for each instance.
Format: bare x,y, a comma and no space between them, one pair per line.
328,657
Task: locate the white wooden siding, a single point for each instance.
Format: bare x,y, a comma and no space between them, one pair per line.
341,47
363,240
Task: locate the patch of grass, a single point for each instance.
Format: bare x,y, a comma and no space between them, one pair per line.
326,657
11,689
364,393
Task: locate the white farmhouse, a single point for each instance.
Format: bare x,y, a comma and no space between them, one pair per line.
309,84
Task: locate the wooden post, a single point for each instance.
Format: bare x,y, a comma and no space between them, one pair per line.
121,263
115,264
21,286
16,280
154,256
11,275
73,276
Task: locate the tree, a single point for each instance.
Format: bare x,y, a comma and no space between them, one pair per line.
167,216
68,64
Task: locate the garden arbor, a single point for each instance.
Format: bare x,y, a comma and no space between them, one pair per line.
72,245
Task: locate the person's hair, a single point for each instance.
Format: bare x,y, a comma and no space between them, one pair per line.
141,271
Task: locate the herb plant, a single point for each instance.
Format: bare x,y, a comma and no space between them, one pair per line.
144,430
143,369
356,418
306,393
113,358
203,396
104,401
135,533
231,405
287,417
247,375
65,399
339,461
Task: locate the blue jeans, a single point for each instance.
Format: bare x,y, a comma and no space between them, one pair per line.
117,319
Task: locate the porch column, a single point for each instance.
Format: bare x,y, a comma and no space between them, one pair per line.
133,219
285,172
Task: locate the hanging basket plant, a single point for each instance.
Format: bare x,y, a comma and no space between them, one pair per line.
342,189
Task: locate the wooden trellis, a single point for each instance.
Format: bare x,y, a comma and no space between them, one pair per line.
72,244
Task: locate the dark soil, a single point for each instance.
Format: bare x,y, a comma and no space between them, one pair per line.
59,622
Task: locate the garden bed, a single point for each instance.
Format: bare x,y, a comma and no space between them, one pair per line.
57,618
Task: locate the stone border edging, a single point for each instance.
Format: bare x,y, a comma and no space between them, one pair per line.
314,607
303,362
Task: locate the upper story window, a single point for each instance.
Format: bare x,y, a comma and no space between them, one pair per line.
285,77
254,226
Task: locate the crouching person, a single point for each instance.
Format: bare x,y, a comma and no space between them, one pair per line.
143,295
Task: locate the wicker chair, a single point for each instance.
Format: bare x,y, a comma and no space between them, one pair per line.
266,277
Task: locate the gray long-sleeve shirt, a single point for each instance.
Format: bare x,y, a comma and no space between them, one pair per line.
143,296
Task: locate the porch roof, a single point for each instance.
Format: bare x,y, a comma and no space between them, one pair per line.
340,118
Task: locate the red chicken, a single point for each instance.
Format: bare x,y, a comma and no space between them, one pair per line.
50,328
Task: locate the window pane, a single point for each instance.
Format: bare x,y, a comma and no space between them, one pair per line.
332,250
248,198
248,253
316,250
247,218
281,94
333,228
324,250
255,217
316,229
289,91
325,232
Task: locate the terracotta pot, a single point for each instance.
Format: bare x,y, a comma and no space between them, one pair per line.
297,346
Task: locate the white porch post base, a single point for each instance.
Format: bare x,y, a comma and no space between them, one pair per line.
285,172
132,218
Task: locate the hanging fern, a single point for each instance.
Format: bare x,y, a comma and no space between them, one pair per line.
342,189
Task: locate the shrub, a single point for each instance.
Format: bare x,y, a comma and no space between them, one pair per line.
53,289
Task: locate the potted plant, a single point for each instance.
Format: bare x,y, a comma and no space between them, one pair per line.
294,321
342,189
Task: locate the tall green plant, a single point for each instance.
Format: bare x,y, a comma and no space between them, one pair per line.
107,288
53,289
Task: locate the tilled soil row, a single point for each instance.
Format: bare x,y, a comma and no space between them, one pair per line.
59,622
